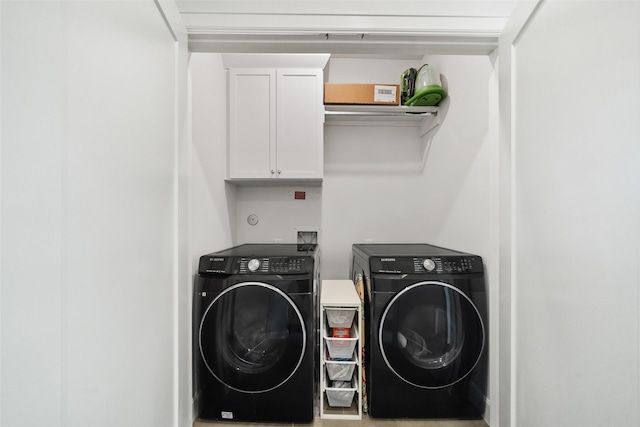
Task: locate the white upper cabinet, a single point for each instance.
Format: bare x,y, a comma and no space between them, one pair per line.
252,129
300,123
275,124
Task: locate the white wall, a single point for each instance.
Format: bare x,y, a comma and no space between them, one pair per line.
388,185
577,216
280,213
32,163
87,219
213,215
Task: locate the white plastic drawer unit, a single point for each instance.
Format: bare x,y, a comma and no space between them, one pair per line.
341,350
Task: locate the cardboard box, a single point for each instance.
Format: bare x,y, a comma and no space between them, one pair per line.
361,93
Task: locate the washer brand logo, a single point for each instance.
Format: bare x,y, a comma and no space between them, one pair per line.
388,259
217,259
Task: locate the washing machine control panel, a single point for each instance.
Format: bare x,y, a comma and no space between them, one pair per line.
273,265
256,265
446,264
427,265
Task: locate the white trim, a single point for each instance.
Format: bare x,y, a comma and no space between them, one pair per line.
406,45
504,408
479,8
308,24
171,16
346,27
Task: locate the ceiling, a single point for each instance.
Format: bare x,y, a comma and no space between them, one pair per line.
389,28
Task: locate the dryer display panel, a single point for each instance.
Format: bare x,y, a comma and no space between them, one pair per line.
431,335
252,337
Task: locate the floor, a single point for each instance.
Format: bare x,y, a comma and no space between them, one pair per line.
365,422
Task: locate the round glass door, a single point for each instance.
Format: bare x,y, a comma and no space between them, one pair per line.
431,335
252,337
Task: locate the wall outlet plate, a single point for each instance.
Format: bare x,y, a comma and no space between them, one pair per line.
307,235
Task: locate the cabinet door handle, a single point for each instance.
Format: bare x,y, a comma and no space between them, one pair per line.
279,171
272,171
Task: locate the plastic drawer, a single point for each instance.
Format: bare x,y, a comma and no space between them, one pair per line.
340,317
340,370
341,397
341,348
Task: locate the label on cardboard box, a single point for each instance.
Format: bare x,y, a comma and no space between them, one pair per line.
384,93
341,333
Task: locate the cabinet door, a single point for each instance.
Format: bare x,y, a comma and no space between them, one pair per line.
252,123
300,123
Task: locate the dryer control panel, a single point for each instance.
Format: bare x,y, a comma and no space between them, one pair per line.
427,265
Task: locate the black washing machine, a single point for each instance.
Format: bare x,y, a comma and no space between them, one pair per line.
254,334
426,331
